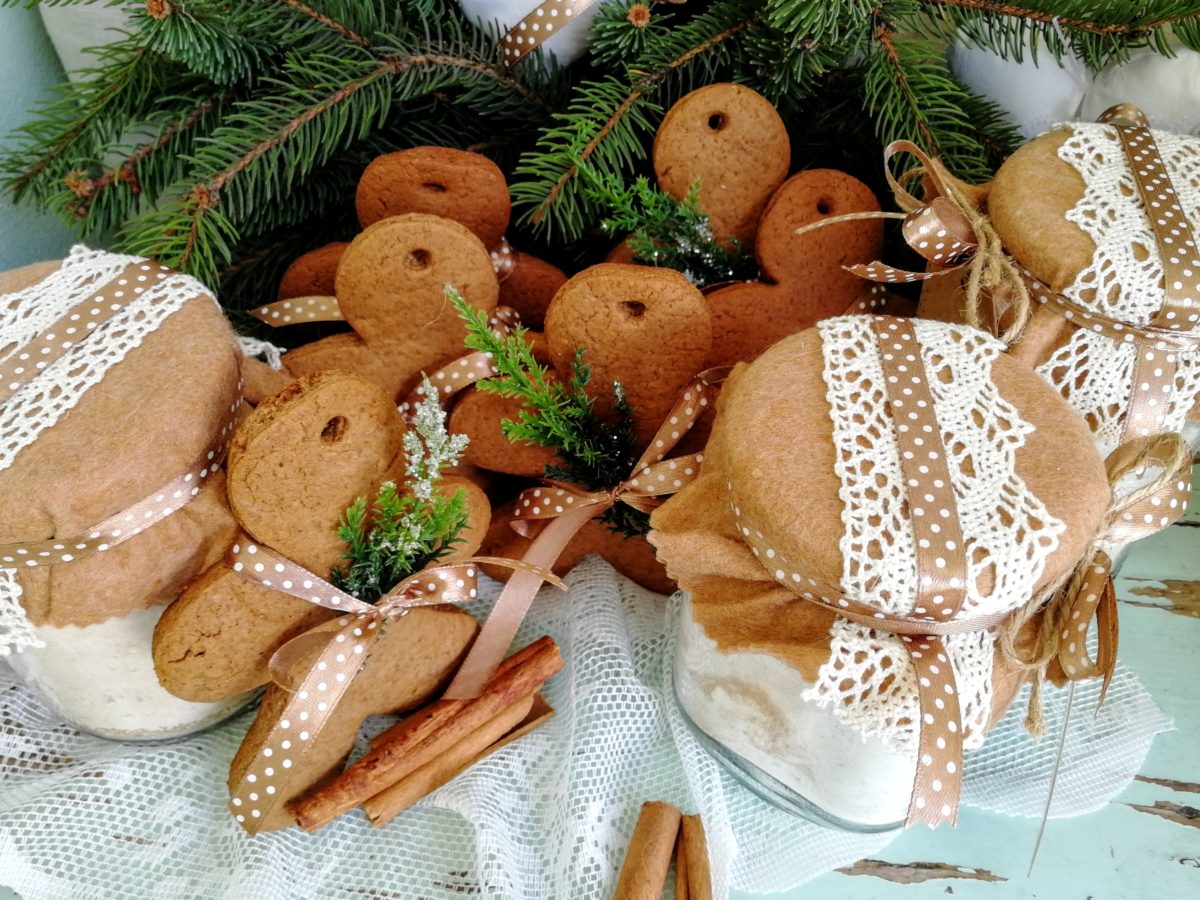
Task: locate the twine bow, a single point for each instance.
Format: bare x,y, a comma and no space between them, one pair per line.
345,644
1147,509
948,231
567,508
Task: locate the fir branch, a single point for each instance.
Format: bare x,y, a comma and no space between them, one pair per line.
669,233
403,534
559,415
607,120
1136,28
305,10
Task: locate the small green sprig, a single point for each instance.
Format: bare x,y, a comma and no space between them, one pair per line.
403,533
669,233
592,452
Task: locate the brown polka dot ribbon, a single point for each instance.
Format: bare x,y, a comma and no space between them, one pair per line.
467,370
504,260
539,26
1136,512
128,523
342,647
941,572
567,509
75,325
300,310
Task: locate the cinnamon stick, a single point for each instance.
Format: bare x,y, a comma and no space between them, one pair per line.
428,734
695,872
384,806
649,855
681,882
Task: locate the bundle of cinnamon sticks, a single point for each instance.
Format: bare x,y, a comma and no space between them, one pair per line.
660,833
432,746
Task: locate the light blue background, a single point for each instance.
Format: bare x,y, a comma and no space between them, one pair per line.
28,66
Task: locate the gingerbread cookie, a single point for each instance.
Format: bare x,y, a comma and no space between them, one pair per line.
802,278
648,328
295,465
411,662
470,189
731,140
312,274
479,415
391,289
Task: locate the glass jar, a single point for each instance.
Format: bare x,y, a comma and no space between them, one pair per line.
101,679
748,709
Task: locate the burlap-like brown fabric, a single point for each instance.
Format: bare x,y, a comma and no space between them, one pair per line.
773,436
153,415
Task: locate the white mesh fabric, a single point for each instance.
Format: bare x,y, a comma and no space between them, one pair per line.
869,681
48,392
1124,280
546,818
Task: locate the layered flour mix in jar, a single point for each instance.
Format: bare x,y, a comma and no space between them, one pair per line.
877,497
1100,219
120,388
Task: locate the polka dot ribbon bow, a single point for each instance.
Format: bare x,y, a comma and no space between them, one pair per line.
318,667
539,26
1145,509
325,308
466,370
567,508
941,568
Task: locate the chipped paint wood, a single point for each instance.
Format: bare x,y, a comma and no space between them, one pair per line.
1172,812
916,872
1179,597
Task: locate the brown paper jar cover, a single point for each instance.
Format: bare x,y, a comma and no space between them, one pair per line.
1035,204
773,440
154,413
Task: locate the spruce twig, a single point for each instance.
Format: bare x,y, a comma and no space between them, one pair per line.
402,534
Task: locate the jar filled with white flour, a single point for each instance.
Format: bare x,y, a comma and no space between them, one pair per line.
119,383
877,498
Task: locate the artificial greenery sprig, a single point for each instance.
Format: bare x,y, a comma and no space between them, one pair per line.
670,233
404,533
558,414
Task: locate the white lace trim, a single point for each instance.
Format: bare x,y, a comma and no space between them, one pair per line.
16,631
1092,372
1009,533
57,388
41,401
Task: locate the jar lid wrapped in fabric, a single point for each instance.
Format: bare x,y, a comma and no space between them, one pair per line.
877,496
1100,219
120,387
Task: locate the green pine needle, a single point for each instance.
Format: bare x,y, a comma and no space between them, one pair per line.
401,534
669,233
592,452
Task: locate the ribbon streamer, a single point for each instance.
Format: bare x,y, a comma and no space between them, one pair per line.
347,643
539,26
466,370
569,508
1145,510
325,308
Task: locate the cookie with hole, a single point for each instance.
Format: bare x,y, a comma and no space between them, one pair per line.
295,466
312,274
470,189
391,290
732,141
803,279
648,328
